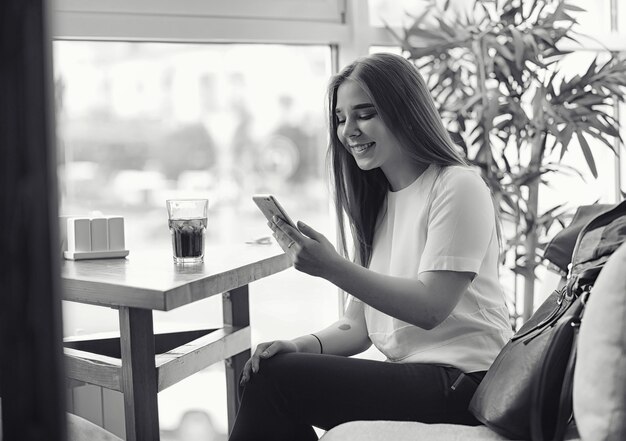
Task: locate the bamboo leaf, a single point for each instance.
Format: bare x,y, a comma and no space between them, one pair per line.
502,49
529,177
392,32
425,34
471,102
570,7
537,103
504,123
518,42
446,28
588,100
603,139
507,165
549,214
608,119
503,65
591,70
567,17
614,89
587,153
529,40
544,35
598,125
565,136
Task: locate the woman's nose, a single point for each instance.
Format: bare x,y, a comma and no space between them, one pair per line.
350,129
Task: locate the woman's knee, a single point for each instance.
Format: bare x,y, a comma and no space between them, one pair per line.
279,366
282,373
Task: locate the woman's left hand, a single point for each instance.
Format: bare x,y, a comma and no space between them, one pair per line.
308,249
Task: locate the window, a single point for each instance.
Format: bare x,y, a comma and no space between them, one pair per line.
139,123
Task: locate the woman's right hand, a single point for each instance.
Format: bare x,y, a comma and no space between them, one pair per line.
264,351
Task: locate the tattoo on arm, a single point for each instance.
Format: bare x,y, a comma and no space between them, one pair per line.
345,327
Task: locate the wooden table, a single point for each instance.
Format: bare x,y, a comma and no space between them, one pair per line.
140,364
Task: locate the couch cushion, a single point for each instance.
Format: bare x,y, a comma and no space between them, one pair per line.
600,375
79,429
408,431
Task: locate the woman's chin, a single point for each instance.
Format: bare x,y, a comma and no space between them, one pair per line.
365,165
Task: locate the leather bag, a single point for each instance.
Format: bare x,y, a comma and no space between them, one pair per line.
551,389
527,390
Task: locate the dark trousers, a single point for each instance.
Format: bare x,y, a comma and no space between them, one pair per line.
293,392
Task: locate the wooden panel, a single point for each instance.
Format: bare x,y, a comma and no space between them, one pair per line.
153,281
139,380
190,358
93,368
236,311
31,360
88,403
113,412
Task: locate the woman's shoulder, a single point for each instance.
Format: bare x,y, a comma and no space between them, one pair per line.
459,176
462,186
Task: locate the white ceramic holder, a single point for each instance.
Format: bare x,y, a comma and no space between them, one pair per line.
93,238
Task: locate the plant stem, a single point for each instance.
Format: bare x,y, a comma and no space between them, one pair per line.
532,239
486,122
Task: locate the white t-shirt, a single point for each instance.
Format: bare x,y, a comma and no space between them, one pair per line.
444,220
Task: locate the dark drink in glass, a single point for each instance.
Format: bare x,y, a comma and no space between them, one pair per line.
188,239
187,222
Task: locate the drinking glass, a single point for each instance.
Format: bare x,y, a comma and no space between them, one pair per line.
187,222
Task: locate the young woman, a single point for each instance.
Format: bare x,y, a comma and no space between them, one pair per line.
424,282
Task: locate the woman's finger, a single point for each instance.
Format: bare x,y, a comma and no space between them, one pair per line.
290,233
248,369
245,373
310,232
264,353
254,361
271,350
283,239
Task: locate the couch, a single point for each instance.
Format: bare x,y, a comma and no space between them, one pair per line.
599,382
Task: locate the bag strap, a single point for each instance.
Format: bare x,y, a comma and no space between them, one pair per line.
551,388
565,413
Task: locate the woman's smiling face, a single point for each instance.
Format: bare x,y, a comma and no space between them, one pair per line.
362,132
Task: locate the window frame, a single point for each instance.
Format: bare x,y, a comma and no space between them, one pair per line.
306,10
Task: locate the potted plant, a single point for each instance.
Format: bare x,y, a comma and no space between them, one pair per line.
495,74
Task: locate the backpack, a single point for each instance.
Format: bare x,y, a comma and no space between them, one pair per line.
527,391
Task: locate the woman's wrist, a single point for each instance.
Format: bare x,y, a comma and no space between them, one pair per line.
334,267
307,343
337,270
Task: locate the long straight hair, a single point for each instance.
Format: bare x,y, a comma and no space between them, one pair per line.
403,102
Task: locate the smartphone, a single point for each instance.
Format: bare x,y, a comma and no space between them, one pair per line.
270,207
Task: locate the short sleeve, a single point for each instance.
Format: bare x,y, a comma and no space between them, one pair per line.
461,222
350,298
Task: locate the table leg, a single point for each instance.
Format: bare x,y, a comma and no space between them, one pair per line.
139,375
236,313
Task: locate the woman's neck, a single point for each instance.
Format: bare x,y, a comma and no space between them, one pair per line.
402,175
